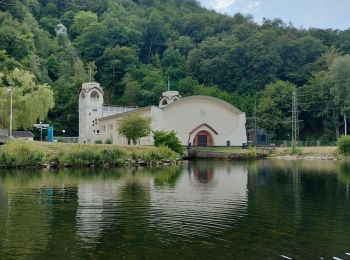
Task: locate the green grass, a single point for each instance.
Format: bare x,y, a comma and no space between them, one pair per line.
19,153
322,151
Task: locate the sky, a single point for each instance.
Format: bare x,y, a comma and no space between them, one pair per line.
323,14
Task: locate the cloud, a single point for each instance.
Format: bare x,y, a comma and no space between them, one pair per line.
222,5
251,6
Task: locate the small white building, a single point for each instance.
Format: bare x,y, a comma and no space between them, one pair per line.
60,29
199,120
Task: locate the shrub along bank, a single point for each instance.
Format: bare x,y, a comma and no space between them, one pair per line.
18,153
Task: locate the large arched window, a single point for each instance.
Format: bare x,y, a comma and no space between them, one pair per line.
94,95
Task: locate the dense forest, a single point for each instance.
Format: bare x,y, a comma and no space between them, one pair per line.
132,47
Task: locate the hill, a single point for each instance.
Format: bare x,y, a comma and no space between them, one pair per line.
133,47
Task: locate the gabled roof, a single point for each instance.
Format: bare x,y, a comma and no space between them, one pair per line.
22,134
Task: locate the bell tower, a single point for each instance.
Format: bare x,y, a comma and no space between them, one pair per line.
168,97
90,110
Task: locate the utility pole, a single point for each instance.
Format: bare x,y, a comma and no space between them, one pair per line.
295,119
11,112
255,125
168,84
345,126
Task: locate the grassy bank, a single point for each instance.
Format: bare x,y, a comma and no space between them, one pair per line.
18,153
320,152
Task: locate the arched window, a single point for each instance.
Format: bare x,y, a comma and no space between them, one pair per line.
94,95
163,102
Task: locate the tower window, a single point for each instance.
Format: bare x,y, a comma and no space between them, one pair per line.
94,95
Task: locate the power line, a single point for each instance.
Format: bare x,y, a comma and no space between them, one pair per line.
319,109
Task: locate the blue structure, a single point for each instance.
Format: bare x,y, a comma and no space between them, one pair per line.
50,134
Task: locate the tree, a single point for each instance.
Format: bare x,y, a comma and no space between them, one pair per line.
134,127
82,20
31,101
339,79
168,139
275,105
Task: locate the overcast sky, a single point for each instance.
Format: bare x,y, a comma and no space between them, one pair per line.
302,13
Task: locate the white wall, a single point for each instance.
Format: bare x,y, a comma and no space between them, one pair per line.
89,110
187,114
183,117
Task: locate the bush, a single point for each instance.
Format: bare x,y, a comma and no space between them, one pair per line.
108,141
169,139
98,142
343,144
251,151
16,154
154,155
89,156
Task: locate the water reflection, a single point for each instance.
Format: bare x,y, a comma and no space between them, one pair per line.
202,209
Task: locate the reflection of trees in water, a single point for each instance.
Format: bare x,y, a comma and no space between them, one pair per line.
344,175
43,207
24,224
167,176
298,202
132,213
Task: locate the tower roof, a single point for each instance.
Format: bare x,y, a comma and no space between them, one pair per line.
87,87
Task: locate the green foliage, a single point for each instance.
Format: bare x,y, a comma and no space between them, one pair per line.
296,151
168,139
339,78
98,142
155,156
252,151
109,141
137,45
31,101
88,156
19,153
15,154
134,126
275,105
343,144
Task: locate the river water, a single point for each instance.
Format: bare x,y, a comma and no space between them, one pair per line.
267,209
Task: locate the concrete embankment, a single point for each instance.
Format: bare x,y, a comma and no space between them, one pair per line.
227,153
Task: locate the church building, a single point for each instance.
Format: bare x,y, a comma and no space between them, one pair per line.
197,120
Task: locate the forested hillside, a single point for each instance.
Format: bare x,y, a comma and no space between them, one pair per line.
137,45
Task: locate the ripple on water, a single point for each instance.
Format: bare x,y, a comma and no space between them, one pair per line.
226,210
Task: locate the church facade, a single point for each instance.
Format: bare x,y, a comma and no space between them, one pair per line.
197,120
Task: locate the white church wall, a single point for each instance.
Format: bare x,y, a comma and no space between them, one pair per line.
111,126
186,115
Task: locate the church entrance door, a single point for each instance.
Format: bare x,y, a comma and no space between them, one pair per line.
203,138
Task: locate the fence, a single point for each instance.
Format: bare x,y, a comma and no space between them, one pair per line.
288,143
